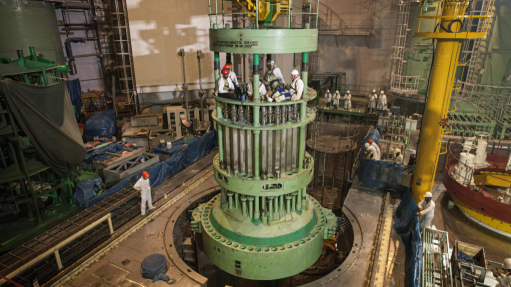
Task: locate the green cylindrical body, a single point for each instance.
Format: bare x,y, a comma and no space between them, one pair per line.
266,140
30,25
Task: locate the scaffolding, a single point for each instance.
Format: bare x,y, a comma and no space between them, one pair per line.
333,147
399,83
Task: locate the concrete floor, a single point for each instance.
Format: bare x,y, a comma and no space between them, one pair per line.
121,266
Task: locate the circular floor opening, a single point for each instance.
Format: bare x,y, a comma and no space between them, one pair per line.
189,247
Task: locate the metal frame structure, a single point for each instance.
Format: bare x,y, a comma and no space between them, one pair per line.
399,83
436,265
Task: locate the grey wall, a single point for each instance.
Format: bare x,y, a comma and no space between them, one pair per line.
365,59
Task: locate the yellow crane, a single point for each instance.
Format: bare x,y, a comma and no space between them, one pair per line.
452,27
269,10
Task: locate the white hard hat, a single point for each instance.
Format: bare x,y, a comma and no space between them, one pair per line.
366,145
374,91
413,151
507,263
397,150
328,91
348,92
295,73
381,92
337,91
271,62
428,194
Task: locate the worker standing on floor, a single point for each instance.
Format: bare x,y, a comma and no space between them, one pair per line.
376,148
372,101
382,101
347,101
144,186
504,279
273,73
297,86
232,75
426,210
370,149
399,157
328,99
226,86
337,97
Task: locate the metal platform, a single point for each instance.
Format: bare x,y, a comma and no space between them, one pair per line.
123,207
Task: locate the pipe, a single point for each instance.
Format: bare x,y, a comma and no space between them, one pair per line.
69,51
305,68
251,207
230,194
256,208
244,205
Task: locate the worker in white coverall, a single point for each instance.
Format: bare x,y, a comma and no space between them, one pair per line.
144,186
226,86
372,101
376,148
427,210
337,97
398,157
382,101
328,99
297,86
504,279
232,75
371,149
347,100
273,73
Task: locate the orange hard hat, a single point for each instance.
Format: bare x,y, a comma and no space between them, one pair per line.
227,66
145,174
370,141
225,71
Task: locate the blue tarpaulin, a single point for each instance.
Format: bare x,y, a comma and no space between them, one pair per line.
99,154
75,93
176,145
380,174
170,167
100,124
407,225
86,190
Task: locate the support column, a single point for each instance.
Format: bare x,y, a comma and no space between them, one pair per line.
442,77
220,143
255,84
305,70
256,154
301,148
216,66
228,59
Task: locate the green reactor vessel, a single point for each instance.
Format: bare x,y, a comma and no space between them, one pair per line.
263,225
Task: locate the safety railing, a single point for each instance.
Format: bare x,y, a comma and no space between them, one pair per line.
404,84
436,267
217,17
55,249
476,18
465,173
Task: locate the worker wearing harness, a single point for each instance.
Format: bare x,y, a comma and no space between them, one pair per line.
427,210
232,75
297,86
273,73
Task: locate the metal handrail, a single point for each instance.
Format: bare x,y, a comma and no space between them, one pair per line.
55,249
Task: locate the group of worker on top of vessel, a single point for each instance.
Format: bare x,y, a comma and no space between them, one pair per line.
272,86
373,153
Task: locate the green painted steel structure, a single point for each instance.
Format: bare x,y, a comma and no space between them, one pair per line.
263,225
27,24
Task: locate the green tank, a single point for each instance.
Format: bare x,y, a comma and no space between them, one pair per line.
30,24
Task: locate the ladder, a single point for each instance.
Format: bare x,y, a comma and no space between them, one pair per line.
125,102
402,30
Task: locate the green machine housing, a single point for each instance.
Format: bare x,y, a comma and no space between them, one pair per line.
263,225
